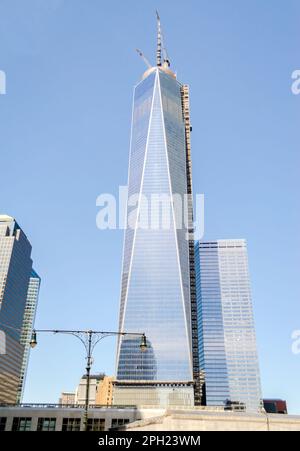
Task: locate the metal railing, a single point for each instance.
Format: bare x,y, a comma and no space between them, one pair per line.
63,406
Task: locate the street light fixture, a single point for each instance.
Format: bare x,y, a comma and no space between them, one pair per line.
143,345
89,338
33,341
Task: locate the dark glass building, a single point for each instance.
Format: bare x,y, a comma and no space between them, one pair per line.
275,406
16,280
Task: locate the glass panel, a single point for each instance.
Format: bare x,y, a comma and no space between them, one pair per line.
227,343
157,294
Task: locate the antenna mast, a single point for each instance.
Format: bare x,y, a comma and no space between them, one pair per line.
160,46
158,49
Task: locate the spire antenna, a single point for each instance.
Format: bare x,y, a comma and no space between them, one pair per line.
158,49
161,50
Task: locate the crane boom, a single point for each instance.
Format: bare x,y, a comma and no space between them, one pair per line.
144,58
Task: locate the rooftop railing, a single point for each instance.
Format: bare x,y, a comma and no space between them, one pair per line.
64,406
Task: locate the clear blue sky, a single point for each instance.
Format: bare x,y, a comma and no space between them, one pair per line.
64,139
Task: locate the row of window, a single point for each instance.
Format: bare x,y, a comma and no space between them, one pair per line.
68,424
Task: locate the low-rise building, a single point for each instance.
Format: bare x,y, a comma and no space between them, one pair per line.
275,406
104,396
53,417
67,398
205,419
80,393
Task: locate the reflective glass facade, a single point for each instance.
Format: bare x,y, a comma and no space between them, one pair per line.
28,321
227,343
155,295
15,271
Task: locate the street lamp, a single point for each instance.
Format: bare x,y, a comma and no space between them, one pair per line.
33,341
89,338
143,345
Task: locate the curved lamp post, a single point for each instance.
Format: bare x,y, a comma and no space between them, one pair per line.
89,338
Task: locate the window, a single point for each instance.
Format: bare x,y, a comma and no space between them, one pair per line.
71,424
96,424
21,424
46,424
2,423
115,422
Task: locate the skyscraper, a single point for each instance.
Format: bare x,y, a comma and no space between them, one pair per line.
227,342
158,287
15,288
28,322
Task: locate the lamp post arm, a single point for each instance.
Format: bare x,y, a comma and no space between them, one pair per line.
89,338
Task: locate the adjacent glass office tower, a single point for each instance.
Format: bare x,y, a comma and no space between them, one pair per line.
28,322
15,289
227,343
156,276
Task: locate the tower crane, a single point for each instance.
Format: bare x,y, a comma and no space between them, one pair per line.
144,58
